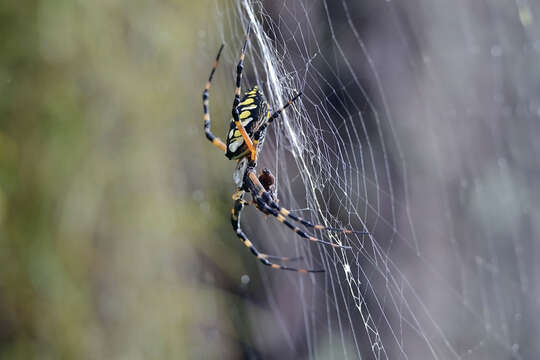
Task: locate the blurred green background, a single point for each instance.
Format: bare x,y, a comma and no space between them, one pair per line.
104,231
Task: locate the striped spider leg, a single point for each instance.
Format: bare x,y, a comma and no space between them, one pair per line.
239,204
206,106
262,198
267,181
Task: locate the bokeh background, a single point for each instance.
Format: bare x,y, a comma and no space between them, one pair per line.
111,201
115,240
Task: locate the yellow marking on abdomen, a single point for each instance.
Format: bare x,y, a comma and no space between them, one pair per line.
251,107
276,266
247,101
284,211
248,243
245,114
280,218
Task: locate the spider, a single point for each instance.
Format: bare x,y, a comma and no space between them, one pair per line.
245,139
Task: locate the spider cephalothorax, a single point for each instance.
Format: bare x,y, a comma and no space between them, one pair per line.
250,119
267,179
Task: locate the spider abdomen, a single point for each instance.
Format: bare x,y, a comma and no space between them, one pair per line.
251,110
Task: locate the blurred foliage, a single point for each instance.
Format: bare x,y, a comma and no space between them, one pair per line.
111,200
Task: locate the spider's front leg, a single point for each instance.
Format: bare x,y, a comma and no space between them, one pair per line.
261,197
239,204
267,203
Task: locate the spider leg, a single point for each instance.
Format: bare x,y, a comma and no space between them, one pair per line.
236,116
235,221
257,190
278,112
282,258
239,69
304,222
275,115
285,212
209,135
264,208
272,202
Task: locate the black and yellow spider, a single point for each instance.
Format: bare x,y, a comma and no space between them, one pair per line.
250,119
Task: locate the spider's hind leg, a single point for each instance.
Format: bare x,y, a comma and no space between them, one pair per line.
206,107
278,112
271,117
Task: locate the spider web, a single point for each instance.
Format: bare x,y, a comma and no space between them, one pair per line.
417,124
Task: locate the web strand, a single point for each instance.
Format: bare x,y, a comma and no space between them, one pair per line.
352,154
